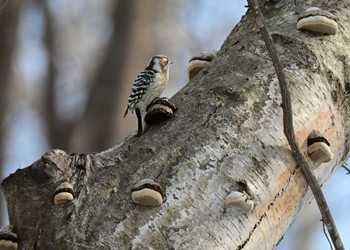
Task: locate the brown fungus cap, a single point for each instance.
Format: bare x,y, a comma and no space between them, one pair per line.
8,240
199,62
318,147
207,55
316,136
63,193
314,11
159,110
147,192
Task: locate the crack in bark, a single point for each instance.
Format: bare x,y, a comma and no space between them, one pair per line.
251,232
283,190
210,115
36,244
278,195
164,234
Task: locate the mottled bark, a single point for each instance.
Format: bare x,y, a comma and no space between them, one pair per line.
226,135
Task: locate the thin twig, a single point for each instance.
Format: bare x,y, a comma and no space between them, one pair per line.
347,169
325,234
289,130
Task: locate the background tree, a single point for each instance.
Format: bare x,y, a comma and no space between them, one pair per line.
8,24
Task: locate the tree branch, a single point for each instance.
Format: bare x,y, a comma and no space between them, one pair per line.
289,130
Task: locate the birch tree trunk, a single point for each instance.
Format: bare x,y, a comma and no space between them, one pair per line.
227,135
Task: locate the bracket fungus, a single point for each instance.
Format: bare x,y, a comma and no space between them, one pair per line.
198,62
8,239
318,20
239,200
318,148
159,110
64,193
147,192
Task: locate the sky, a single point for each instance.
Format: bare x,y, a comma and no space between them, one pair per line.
26,139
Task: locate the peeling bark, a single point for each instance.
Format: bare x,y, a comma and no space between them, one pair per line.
226,135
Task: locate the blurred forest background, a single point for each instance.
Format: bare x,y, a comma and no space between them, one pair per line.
66,70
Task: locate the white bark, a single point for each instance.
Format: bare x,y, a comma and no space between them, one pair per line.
227,135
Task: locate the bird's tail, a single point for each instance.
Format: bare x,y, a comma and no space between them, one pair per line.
126,112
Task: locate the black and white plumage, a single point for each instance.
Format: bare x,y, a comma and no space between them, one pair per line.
148,85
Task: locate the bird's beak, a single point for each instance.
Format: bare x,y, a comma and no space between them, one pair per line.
171,63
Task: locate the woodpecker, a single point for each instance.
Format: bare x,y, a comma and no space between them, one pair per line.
148,85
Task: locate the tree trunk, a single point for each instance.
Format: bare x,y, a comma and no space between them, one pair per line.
227,135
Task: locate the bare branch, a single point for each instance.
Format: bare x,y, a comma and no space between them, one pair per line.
289,130
346,168
325,234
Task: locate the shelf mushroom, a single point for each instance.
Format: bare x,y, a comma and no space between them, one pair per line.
64,193
159,110
318,148
198,62
147,192
239,200
8,239
317,20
